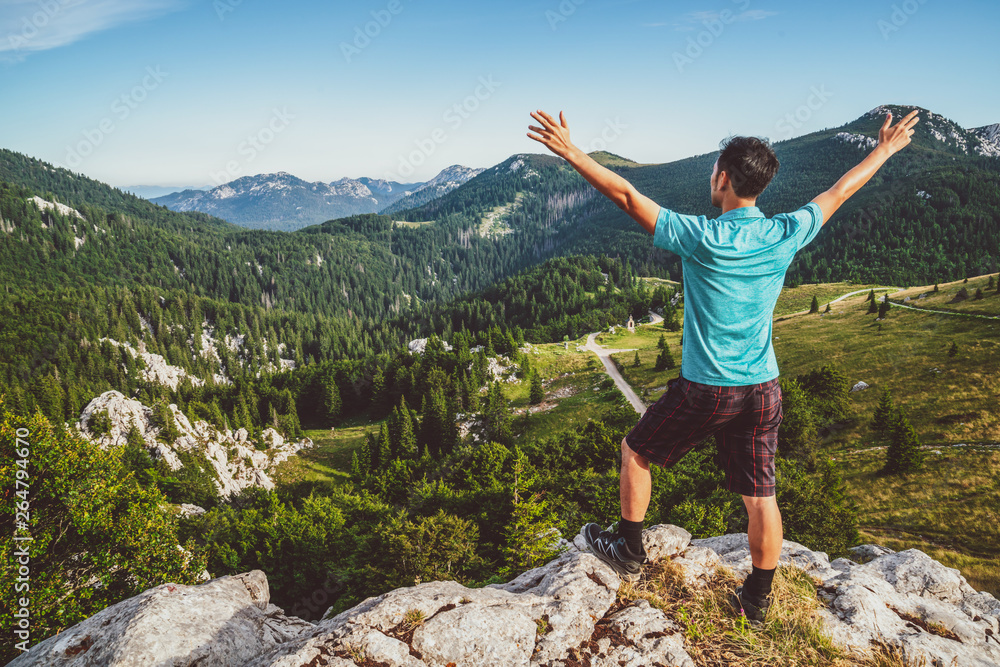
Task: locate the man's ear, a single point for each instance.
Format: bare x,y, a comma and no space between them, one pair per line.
722,181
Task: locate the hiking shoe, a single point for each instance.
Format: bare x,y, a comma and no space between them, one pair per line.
753,612
611,548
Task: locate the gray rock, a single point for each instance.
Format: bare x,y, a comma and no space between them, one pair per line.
866,552
227,621
236,463
664,540
542,617
478,635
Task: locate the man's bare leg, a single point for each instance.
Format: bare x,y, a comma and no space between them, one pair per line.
635,484
764,531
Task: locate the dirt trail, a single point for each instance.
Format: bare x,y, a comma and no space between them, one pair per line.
604,355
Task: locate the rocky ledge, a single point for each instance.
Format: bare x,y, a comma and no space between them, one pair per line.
236,462
565,609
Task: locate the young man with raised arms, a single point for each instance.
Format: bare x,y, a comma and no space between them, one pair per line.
734,268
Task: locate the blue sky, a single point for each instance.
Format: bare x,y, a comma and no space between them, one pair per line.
195,92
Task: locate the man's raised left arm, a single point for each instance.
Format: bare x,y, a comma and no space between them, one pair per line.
555,136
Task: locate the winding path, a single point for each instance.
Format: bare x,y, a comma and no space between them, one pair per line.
940,312
604,355
841,298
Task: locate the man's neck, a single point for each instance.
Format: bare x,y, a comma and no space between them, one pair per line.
735,203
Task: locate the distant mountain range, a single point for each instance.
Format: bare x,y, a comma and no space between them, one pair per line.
153,191
284,202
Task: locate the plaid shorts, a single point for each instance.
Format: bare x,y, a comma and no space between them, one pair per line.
743,419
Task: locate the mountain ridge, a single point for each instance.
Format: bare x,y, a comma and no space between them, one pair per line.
284,202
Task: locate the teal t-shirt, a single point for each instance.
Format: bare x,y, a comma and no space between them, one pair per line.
734,268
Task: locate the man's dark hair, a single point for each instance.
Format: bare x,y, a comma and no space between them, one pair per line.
750,163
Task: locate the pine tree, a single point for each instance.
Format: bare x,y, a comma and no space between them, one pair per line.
882,417
883,309
979,294
432,425
537,393
331,399
381,452
531,536
827,308
636,362
814,306
497,416
936,288
991,283
872,307
799,425
662,343
871,295
903,455
664,360
403,431
357,472
378,390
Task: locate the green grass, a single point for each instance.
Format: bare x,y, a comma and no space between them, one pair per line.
573,390
950,509
796,299
329,460
941,300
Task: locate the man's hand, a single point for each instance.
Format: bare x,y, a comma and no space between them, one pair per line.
891,140
554,135
894,139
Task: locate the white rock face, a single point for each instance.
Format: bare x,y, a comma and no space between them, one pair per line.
858,140
227,621
542,617
236,463
418,345
44,205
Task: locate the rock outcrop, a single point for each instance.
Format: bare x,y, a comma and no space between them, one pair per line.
566,609
236,463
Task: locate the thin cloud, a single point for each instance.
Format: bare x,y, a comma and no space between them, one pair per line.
689,22
29,26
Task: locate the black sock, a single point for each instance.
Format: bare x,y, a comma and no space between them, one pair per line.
632,532
758,585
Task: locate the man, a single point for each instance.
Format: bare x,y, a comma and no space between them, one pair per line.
734,268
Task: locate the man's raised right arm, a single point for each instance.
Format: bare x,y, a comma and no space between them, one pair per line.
891,140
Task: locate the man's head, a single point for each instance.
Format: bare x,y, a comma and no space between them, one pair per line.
745,167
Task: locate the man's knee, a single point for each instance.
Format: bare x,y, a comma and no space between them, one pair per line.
630,455
760,505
